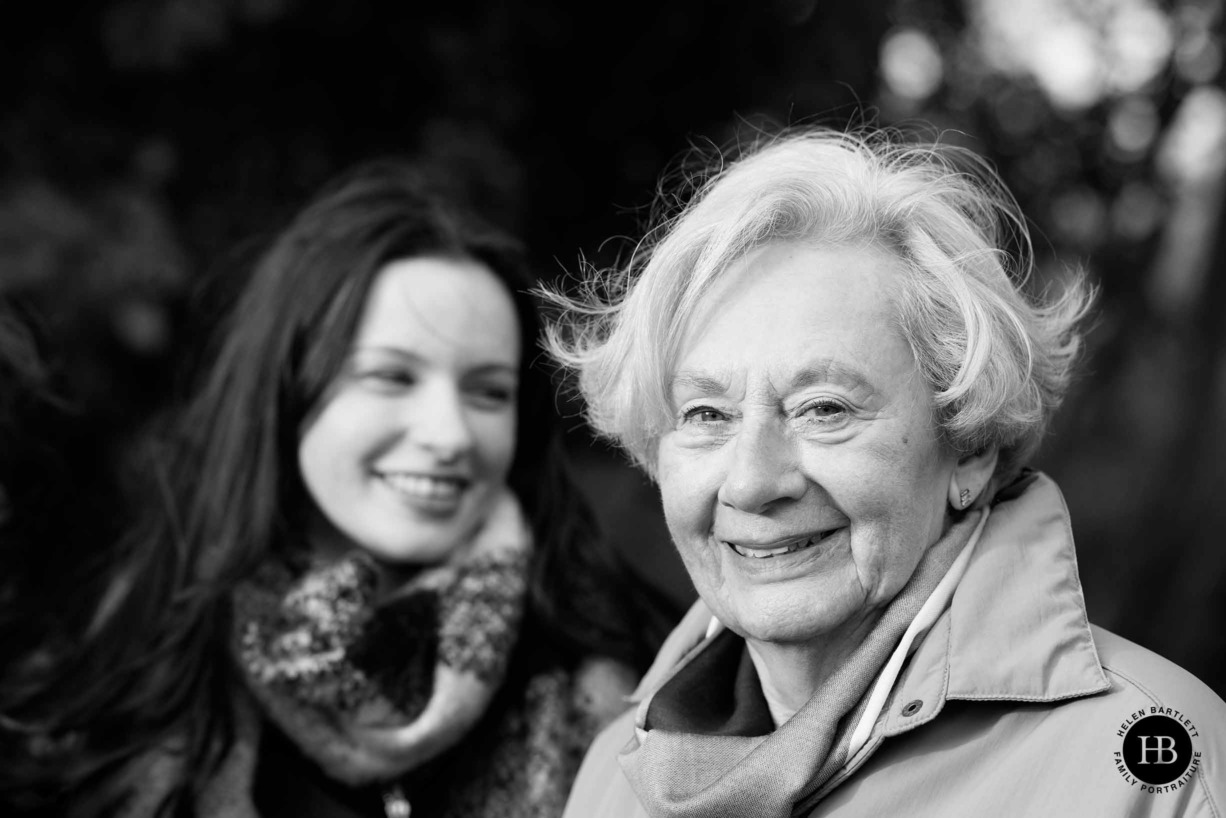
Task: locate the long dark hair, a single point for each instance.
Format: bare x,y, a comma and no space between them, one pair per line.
226,491
61,517
288,339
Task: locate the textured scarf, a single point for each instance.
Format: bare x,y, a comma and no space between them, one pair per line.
370,691
709,749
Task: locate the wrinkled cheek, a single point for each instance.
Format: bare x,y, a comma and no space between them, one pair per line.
679,517
687,512
884,565
673,500
700,558
875,560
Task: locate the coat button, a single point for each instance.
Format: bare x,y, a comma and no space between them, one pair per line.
912,707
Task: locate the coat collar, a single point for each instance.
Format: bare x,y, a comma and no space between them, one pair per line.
1016,629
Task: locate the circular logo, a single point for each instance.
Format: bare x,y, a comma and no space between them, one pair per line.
1157,750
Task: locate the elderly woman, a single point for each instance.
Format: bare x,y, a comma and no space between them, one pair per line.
828,363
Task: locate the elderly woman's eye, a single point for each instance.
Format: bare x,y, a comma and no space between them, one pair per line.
823,410
703,414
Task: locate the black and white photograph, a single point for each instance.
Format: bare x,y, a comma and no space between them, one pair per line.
652,410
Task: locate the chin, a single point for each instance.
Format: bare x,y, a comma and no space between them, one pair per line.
785,626
777,634
416,553
793,612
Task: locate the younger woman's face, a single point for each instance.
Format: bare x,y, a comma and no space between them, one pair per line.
415,437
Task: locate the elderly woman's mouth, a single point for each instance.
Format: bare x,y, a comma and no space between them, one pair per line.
778,549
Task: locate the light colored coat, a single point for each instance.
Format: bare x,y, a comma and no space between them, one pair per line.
1013,704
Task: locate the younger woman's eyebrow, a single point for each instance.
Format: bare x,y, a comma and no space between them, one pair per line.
387,349
494,368
410,356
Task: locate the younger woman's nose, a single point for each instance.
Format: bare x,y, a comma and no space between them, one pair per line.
437,421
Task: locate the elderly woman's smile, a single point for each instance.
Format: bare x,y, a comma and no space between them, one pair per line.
803,477
777,549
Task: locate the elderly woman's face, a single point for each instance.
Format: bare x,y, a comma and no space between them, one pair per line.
803,477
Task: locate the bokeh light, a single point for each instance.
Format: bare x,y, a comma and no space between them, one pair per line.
911,64
1194,148
1132,127
1077,52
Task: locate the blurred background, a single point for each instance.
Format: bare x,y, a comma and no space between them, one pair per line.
147,145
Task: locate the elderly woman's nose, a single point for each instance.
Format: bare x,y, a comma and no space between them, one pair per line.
764,470
437,421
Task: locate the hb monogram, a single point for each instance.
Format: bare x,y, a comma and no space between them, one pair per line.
1163,745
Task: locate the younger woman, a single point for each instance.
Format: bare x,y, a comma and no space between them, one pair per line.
385,590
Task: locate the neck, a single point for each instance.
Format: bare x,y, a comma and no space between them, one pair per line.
792,672
325,541
327,544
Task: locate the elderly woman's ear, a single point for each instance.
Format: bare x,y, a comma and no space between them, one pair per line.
972,478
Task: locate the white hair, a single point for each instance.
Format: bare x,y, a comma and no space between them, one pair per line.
997,360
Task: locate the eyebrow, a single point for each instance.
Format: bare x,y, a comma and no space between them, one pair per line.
365,349
827,371
820,371
409,355
699,382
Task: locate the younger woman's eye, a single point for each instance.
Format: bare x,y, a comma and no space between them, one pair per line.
492,396
387,376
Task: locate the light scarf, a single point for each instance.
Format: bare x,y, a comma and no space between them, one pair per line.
689,762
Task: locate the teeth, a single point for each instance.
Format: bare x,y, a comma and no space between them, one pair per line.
766,553
429,488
